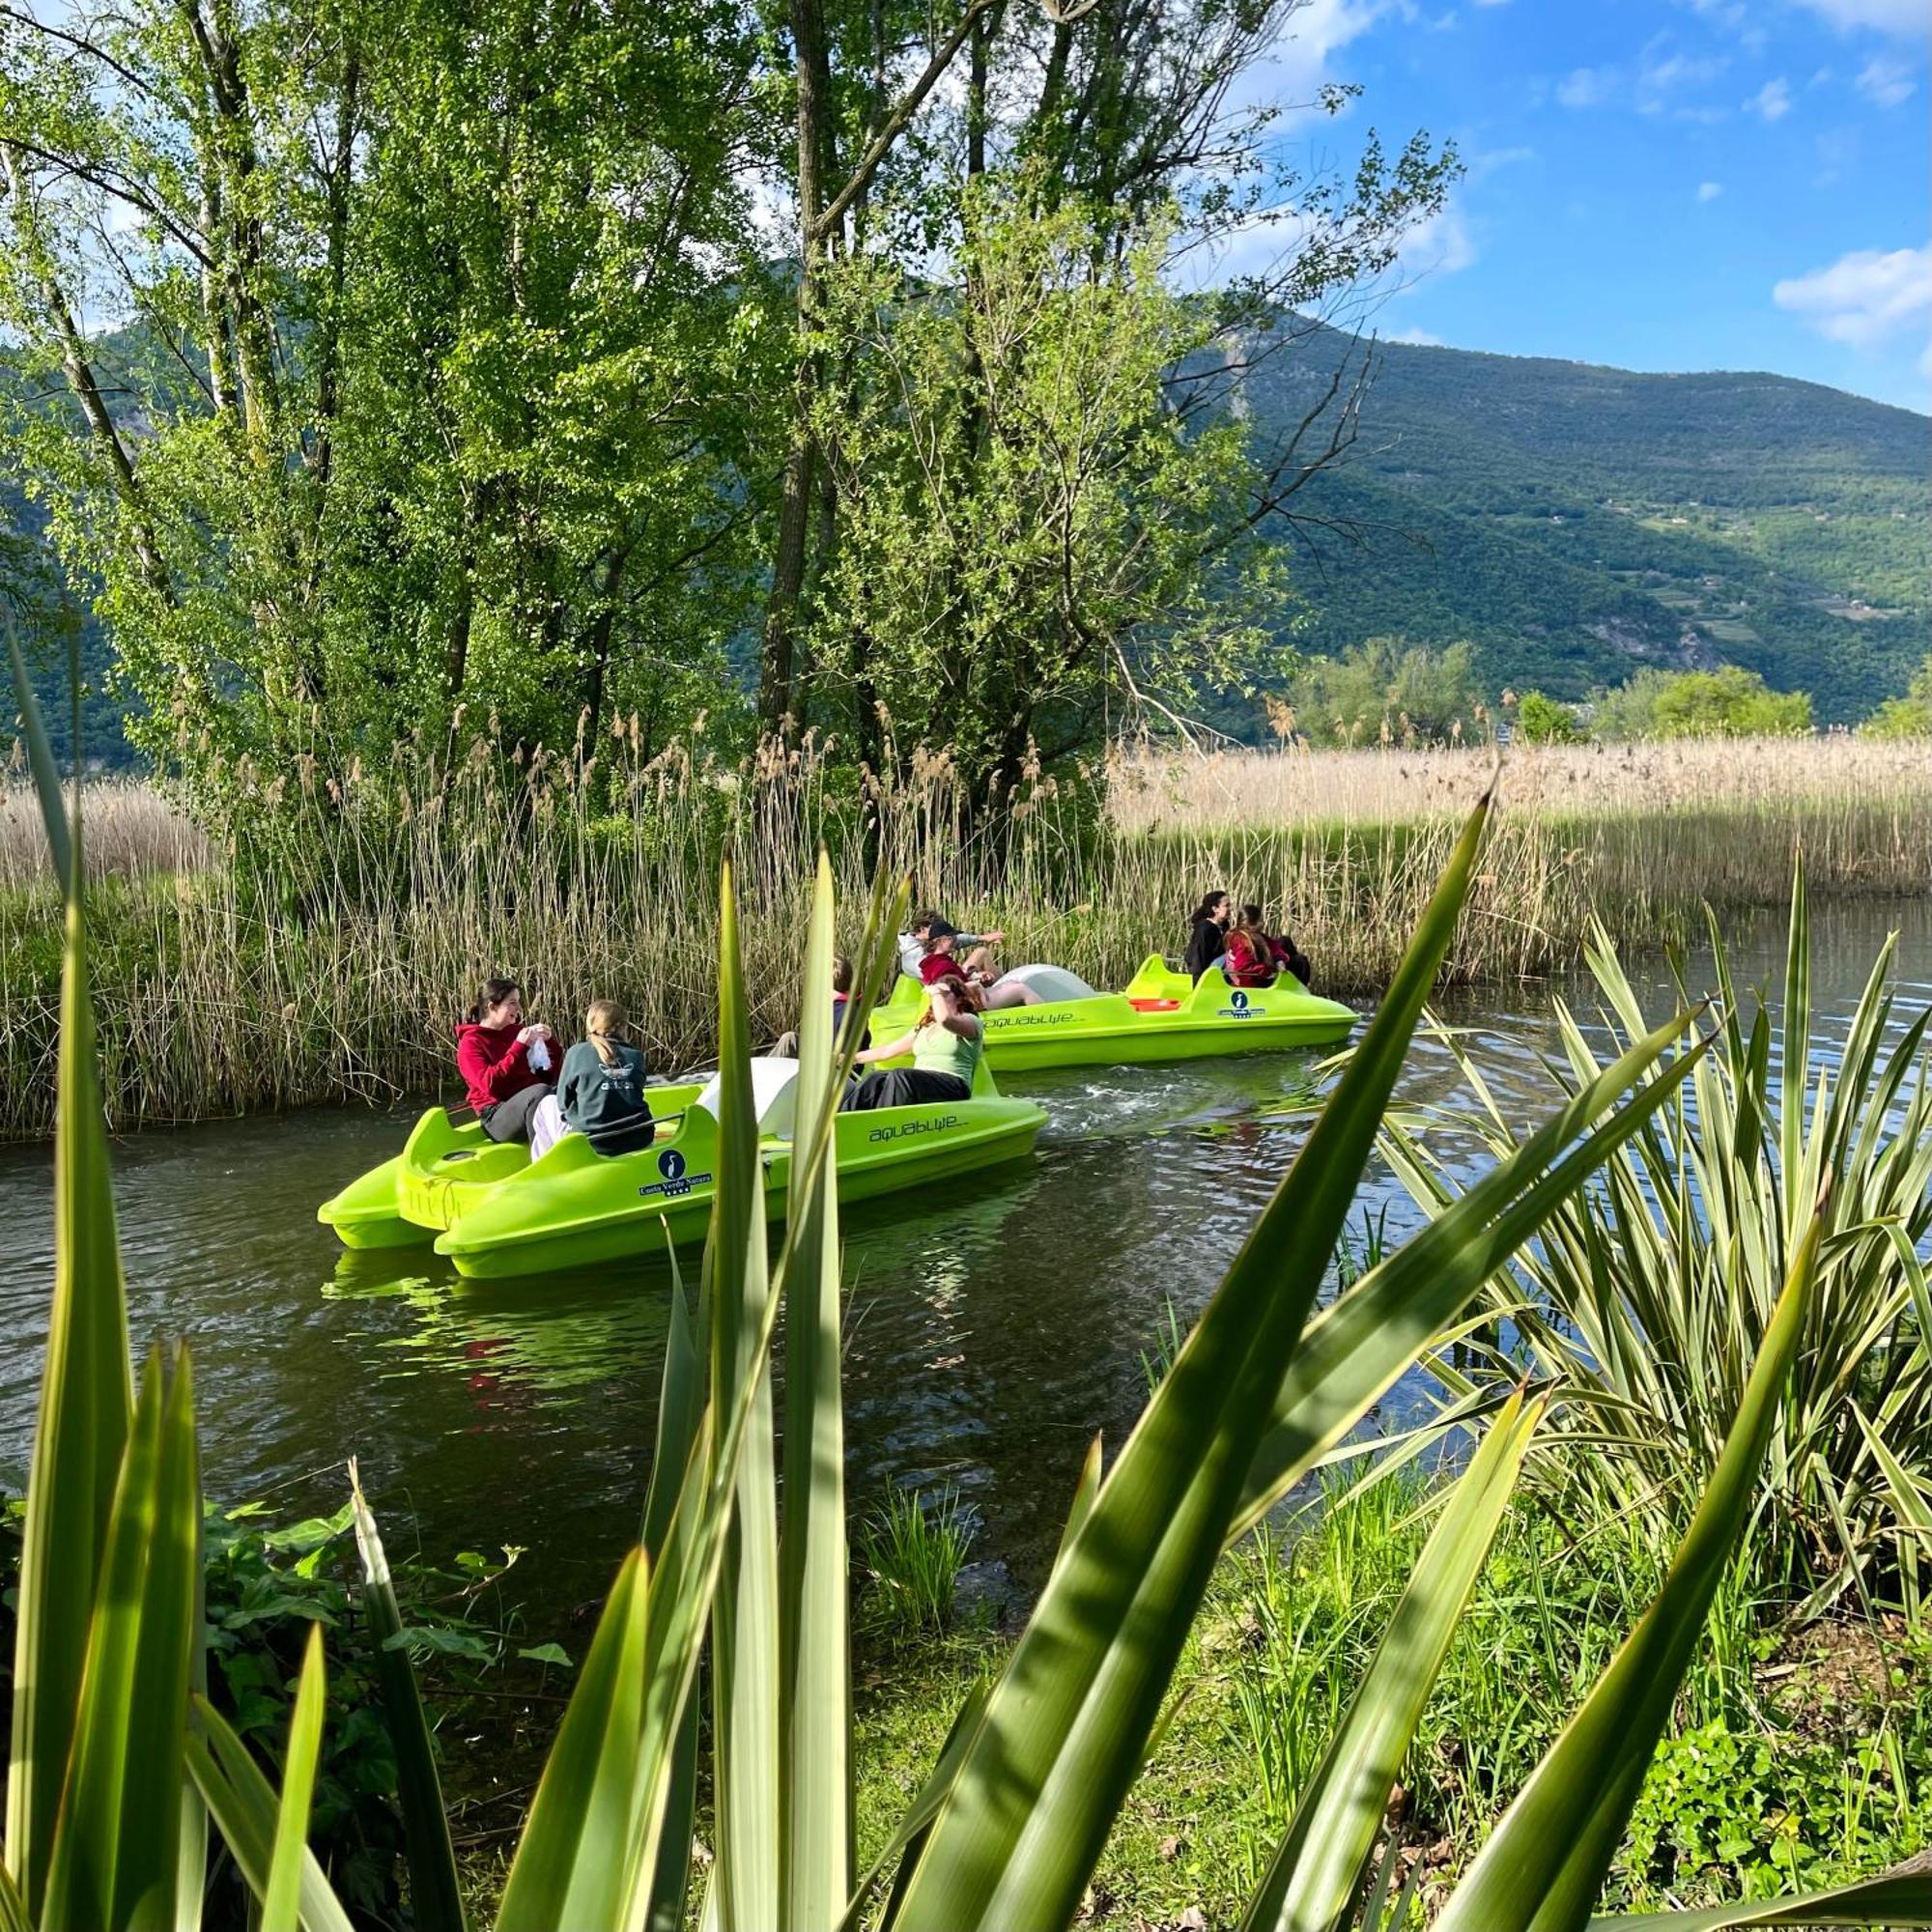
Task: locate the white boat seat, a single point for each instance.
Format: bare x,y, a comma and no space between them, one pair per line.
773,1093
1053,983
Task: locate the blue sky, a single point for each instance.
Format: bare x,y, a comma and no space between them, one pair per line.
1663,184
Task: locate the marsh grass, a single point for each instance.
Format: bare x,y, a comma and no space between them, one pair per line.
317,940
912,1546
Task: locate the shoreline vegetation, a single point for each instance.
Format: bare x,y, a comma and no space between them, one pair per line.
274,942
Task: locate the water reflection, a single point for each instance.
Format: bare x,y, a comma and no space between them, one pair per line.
993,1326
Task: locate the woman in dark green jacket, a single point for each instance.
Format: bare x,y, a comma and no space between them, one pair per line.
601,1089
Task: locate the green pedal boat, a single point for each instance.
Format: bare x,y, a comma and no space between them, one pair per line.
494,1212
1161,1016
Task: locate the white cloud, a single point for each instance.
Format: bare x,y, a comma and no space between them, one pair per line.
1865,298
1885,81
1421,337
1661,73
1773,100
1487,162
1441,246
1709,191
1588,87
1905,18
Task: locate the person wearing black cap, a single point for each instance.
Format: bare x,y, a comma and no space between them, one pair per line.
941,961
912,944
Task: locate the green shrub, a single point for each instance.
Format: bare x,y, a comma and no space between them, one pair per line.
1546,721
1727,703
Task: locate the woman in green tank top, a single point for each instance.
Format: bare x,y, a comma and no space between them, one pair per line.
945,1048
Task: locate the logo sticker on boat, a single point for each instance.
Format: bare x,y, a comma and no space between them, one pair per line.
1237,1007
914,1127
676,1183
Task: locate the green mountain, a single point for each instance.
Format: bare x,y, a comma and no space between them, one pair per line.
1576,522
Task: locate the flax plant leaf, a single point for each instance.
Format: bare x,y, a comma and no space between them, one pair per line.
86,1398
435,1893
814,1654
1892,1899
1317,1870
1545,1863
116,1858
245,1809
1063,1734
281,1903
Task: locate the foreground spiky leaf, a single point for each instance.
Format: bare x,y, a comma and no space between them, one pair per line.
1892,1900
245,1809
116,1860
1318,1868
815,1648
1064,1731
744,1616
434,1895
86,1397
1545,1863
282,1900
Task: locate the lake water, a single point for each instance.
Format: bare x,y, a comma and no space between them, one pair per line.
993,1329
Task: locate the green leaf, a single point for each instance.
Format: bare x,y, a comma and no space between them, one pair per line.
280,1903
1357,1347
1318,1870
745,1611
680,1415
815,1648
86,1399
571,1861
117,1847
434,1891
243,1808
1544,1865
546,1653
41,761
1017,1834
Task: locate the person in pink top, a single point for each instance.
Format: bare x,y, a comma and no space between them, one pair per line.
507,1067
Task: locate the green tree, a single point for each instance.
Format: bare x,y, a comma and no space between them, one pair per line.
1727,703
1390,691
1907,717
1546,721
1003,580
440,326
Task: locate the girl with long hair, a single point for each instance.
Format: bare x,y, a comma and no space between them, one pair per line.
600,1093
507,1068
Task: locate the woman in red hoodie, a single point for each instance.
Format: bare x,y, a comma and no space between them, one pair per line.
507,1067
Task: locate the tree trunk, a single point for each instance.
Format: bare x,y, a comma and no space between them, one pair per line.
777,695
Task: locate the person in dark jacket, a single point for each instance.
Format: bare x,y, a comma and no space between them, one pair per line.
601,1089
507,1067
1290,958
1209,937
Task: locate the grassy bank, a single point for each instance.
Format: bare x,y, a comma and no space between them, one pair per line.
1791,1757
316,940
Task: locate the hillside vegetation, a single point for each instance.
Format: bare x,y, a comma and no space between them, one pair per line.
1574,523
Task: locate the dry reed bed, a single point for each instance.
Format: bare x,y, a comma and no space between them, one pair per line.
1150,793
327,954
130,829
